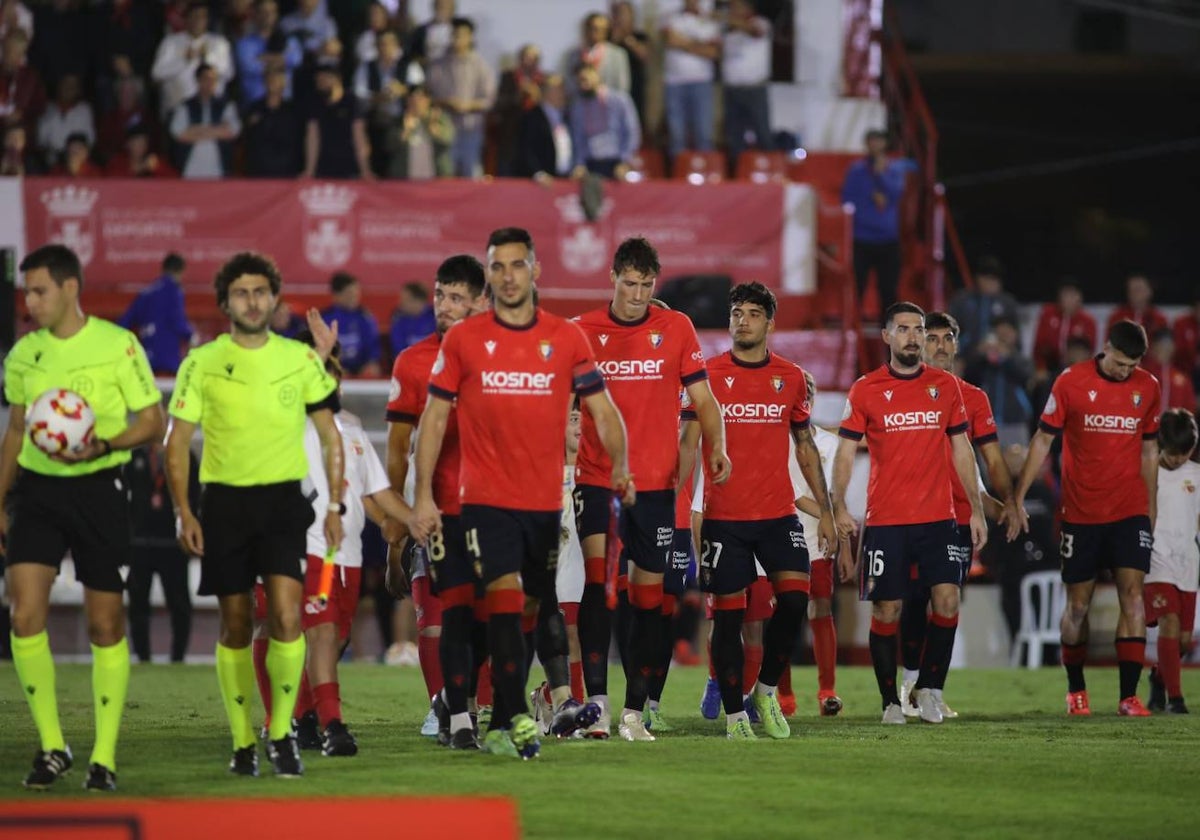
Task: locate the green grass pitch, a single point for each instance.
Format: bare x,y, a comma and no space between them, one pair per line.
1013,765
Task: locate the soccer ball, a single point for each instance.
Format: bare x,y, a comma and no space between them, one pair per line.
60,421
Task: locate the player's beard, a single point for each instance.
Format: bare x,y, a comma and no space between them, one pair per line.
748,343
907,357
251,327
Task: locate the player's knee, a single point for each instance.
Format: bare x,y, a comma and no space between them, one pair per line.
103,631
793,601
284,623
887,612
946,603
1075,612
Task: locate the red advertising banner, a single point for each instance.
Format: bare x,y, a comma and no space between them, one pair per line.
389,233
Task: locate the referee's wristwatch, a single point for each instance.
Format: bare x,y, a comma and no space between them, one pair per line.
337,507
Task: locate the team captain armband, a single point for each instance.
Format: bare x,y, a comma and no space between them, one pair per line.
586,379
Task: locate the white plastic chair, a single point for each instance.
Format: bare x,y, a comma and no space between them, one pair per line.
1040,620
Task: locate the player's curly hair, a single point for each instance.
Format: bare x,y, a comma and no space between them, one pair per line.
755,293
246,262
638,254
1177,432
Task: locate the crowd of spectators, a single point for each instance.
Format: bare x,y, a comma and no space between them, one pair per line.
315,88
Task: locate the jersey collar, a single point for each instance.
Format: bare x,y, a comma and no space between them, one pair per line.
895,375
515,327
740,363
634,323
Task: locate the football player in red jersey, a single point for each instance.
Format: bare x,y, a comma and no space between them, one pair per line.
646,354
513,373
941,346
765,403
1107,410
443,577
906,409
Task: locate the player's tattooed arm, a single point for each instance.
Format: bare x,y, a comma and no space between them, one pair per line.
1002,483
1150,476
809,460
430,434
843,465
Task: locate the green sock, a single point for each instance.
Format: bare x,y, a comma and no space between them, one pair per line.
110,682
235,672
35,670
285,665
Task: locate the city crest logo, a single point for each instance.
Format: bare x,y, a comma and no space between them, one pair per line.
655,339
777,383
933,392
545,350
70,220
328,226
1137,399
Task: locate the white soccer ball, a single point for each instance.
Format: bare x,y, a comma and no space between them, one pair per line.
60,421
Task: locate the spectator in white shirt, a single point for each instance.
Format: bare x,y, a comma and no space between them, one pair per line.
431,40
610,60
179,56
311,24
378,21
205,127
746,68
67,115
693,46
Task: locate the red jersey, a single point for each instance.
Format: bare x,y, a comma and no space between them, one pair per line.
644,363
981,427
513,387
1150,318
1103,423
406,403
906,418
1175,389
1053,330
761,402
1187,342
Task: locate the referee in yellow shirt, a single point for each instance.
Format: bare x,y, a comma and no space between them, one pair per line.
73,502
249,391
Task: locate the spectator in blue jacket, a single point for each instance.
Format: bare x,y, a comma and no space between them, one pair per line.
875,185
157,316
357,330
413,319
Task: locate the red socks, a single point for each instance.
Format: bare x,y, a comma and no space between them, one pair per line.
825,651
751,665
431,663
1170,658
328,703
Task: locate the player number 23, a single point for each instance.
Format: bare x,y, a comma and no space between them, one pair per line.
875,563
710,553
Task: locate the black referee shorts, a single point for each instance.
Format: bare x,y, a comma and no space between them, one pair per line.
87,515
252,532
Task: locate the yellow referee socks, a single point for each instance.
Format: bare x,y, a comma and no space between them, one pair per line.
35,670
285,665
235,672
110,683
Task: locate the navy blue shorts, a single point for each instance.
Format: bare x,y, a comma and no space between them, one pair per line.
505,541
729,548
449,563
899,560
647,529
1086,549
683,559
